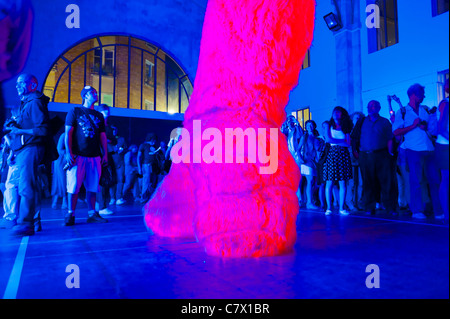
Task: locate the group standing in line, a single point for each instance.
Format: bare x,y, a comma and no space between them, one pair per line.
397,164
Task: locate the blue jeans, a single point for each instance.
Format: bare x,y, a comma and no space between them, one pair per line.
11,193
27,161
423,169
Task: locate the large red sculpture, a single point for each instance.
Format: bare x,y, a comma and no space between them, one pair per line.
250,58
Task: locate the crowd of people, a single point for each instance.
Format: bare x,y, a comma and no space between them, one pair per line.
398,165
89,162
358,162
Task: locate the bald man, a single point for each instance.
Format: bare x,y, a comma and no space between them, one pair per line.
29,135
376,160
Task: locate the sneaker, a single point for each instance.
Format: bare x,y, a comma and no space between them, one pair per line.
96,218
393,213
344,212
328,212
120,201
22,230
7,223
105,211
112,201
419,216
69,219
440,217
37,225
312,207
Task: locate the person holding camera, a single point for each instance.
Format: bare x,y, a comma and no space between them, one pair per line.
294,132
418,142
28,137
9,173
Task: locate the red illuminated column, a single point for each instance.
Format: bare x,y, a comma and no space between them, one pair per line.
250,58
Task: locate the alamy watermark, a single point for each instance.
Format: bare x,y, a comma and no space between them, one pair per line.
73,19
73,279
373,19
220,149
373,279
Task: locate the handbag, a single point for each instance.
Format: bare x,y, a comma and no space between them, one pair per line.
106,179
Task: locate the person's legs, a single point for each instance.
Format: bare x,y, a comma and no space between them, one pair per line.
11,194
74,178
10,199
367,164
55,201
72,201
27,161
103,197
120,181
146,183
433,176
322,199
342,194
64,202
414,160
309,192
385,175
443,192
130,180
299,191
90,200
112,194
328,187
91,184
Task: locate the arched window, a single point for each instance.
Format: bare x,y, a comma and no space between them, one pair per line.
126,71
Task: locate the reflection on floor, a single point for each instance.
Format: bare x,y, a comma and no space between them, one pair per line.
331,258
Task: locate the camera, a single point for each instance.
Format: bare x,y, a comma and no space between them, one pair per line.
9,124
68,165
433,110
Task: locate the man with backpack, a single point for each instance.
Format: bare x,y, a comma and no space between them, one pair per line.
415,126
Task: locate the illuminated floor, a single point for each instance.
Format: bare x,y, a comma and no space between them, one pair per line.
120,260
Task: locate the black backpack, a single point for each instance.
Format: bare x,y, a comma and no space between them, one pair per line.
51,151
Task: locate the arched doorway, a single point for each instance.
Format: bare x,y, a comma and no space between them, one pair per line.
127,72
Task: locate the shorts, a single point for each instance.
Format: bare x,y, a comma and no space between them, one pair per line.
86,171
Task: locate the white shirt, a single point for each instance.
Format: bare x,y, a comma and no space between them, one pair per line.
337,134
416,139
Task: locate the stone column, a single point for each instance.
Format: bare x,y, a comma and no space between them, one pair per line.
348,56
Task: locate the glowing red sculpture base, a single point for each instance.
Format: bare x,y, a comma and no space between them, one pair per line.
240,202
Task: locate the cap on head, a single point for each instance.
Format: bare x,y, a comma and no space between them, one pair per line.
85,90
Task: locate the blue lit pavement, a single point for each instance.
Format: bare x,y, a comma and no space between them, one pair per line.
356,256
